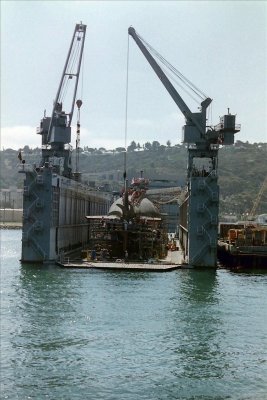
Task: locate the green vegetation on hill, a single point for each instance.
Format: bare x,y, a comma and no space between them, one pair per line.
242,169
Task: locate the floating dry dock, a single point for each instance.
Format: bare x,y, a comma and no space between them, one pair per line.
120,266
173,261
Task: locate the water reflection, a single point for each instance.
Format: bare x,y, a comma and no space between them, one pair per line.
197,329
43,335
199,286
44,289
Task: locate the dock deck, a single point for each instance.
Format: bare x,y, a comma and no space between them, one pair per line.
174,260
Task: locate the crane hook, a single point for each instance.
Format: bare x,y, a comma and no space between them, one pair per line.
79,103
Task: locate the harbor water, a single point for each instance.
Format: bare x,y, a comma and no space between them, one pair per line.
124,335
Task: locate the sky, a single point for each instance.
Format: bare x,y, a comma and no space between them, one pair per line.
221,46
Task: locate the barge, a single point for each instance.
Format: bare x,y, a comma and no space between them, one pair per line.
243,245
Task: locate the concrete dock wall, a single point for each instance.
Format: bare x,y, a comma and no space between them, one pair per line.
8,215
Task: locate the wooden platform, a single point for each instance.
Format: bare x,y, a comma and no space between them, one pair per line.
173,261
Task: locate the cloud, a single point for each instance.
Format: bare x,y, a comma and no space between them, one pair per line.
161,128
16,137
142,130
98,138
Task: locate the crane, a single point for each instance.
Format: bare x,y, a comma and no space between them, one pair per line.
258,199
197,120
199,212
56,130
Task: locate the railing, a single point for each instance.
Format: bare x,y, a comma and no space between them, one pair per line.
220,127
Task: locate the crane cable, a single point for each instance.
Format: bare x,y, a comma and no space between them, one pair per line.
82,78
69,69
167,72
174,70
79,103
126,112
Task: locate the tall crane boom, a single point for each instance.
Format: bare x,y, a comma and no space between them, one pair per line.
56,130
71,71
190,117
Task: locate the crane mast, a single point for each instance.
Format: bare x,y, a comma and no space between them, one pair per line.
56,130
198,226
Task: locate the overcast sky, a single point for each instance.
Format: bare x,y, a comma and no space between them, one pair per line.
219,45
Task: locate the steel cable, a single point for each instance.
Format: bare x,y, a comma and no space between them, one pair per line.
174,70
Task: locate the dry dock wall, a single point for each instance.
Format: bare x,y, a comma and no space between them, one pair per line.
8,215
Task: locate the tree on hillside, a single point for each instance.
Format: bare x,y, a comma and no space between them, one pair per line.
89,149
162,148
147,146
132,146
155,145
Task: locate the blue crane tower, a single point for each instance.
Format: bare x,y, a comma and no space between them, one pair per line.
198,226
56,130
50,187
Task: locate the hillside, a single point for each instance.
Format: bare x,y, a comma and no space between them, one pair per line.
242,169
